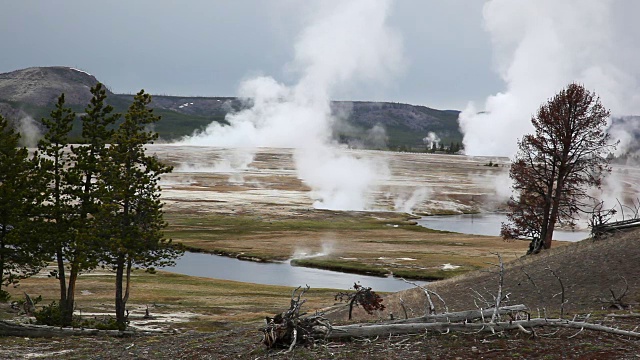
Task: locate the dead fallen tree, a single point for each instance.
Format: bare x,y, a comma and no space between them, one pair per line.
526,326
29,330
616,226
461,316
292,327
601,223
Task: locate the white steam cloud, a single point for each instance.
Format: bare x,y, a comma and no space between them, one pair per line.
406,203
29,130
540,46
431,139
348,42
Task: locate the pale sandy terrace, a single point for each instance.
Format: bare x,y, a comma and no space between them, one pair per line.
274,218
443,182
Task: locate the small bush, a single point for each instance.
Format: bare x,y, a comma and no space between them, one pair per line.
4,295
52,315
49,315
106,323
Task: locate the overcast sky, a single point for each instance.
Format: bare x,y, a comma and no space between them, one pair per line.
207,48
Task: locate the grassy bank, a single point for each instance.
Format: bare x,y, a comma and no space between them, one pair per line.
189,302
357,242
379,270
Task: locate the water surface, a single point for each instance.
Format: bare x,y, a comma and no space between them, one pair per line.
486,224
221,267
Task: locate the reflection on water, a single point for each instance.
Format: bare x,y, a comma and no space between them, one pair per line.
486,224
220,267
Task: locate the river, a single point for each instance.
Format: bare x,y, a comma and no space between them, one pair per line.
225,268
486,224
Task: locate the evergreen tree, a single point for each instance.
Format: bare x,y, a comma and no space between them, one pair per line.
131,217
80,248
56,222
19,253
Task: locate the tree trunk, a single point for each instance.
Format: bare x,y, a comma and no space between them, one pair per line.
69,304
66,313
555,208
2,250
120,304
546,244
128,282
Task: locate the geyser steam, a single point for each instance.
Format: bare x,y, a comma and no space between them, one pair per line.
348,42
542,45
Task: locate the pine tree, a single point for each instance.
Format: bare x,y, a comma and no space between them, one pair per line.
56,222
81,248
131,217
19,252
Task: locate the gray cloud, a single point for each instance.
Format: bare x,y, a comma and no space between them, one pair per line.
208,48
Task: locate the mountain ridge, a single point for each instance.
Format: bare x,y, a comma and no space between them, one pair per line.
32,92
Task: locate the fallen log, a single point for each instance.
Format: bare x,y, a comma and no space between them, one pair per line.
28,330
469,315
615,226
373,330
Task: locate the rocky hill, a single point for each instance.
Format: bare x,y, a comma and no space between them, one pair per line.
40,86
32,92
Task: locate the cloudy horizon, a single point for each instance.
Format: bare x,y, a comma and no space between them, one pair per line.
203,48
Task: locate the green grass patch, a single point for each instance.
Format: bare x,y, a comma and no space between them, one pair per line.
341,265
356,267
429,274
224,226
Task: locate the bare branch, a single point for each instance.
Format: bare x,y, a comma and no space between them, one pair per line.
563,301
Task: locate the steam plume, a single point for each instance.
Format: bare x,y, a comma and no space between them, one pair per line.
29,131
542,45
347,43
431,139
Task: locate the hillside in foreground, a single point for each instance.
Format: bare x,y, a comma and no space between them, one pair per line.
588,270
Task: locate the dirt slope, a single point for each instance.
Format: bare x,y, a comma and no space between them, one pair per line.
589,270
